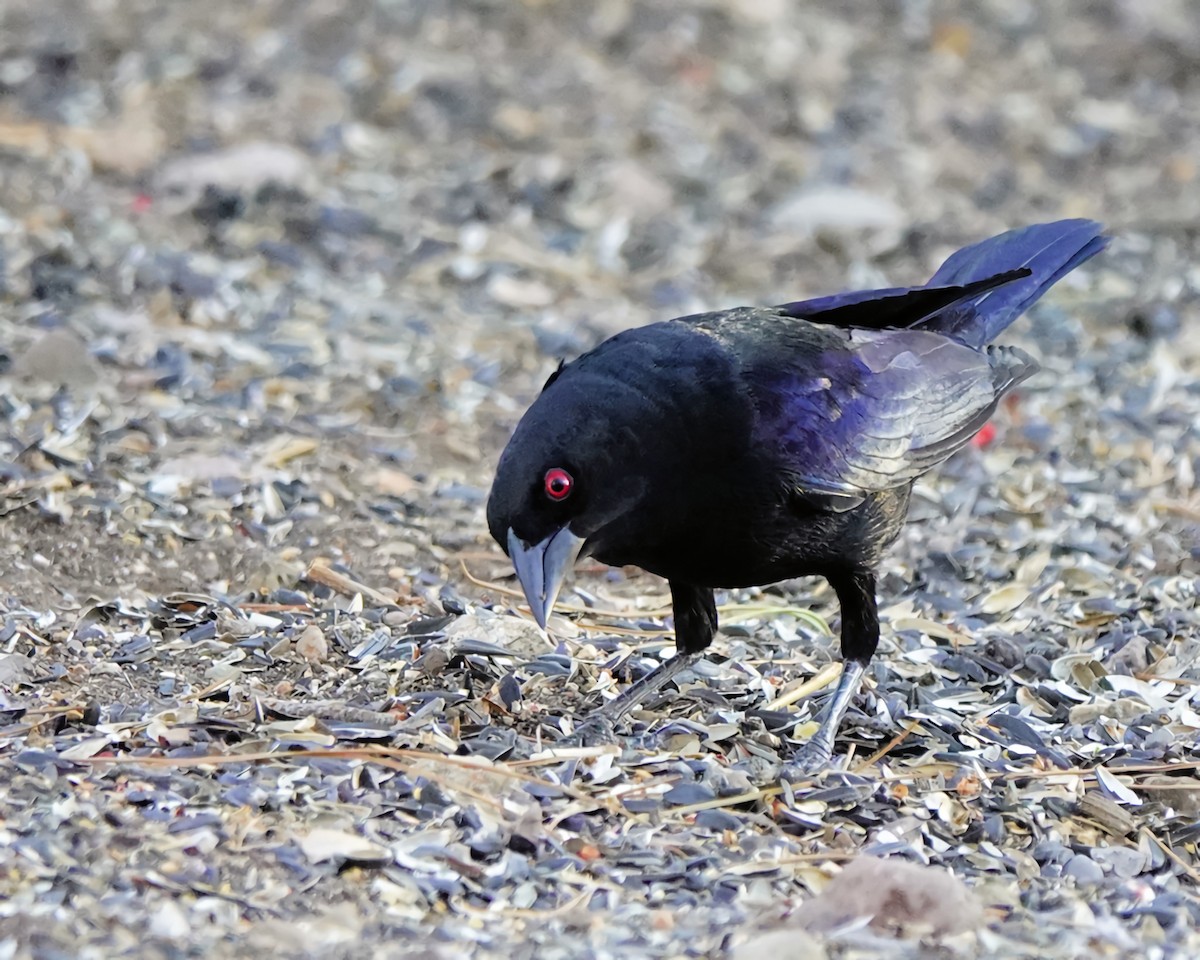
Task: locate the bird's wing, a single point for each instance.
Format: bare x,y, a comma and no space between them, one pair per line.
877,409
976,293
1044,252
894,307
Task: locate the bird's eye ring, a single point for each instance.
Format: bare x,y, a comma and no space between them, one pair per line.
558,483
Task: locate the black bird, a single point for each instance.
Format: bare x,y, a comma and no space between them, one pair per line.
757,444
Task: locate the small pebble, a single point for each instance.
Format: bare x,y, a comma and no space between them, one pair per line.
312,645
1085,870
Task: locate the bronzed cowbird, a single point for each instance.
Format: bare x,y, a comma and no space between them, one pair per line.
758,444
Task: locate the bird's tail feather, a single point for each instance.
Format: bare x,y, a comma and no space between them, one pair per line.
1048,251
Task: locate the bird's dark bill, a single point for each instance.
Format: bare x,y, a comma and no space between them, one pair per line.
541,568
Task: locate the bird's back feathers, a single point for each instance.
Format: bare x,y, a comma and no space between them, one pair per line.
865,391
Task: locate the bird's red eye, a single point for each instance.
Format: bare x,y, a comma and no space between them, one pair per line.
558,483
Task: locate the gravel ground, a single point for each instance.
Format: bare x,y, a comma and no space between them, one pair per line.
276,280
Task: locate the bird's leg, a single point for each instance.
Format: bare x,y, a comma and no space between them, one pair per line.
860,637
695,624
816,755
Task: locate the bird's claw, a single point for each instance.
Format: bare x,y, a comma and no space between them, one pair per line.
811,759
596,731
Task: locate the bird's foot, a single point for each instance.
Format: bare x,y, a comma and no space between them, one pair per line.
814,758
596,731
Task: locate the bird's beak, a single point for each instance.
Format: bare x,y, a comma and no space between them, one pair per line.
543,567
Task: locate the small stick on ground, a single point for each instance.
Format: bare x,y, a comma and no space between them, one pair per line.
320,572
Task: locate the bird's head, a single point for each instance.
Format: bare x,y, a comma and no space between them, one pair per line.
572,472
615,456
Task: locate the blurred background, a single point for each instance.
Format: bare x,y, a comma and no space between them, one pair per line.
321,253
376,225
